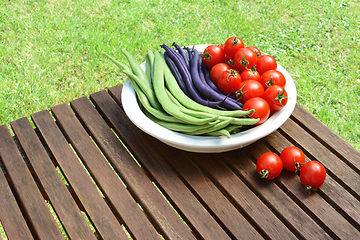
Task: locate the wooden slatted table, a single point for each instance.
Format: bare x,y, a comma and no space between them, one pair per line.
84,171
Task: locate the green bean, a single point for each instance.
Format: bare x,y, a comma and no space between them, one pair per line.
237,120
216,127
241,121
190,104
150,56
135,67
167,104
180,127
234,128
121,65
161,115
186,110
221,132
148,91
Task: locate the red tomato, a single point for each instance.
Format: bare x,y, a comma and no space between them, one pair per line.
229,81
245,58
250,74
249,89
265,63
256,50
272,77
312,175
293,158
276,96
212,55
269,165
261,107
232,45
217,70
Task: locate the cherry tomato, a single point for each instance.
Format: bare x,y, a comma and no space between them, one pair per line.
256,50
272,77
312,175
245,58
265,63
232,45
276,96
269,165
229,81
212,55
293,158
217,70
250,74
261,107
249,89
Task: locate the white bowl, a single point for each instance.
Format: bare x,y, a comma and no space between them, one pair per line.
207,144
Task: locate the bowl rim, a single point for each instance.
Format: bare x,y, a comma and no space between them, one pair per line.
207,144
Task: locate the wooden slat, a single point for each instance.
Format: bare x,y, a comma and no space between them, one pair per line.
11,217
175,190
314,204
160,212
243,196
64,205
221,208
326,136
135,220
293,215
99,212
40,220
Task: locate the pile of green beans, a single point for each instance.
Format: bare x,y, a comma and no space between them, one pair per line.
166,104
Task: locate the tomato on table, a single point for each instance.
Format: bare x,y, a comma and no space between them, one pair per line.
265,63
249,89
276,96
293,158
212,55
269,165
229,81
312,175
217,70
232,45
272,77
245,58
261,107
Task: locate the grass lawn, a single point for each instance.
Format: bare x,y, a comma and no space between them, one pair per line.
51,50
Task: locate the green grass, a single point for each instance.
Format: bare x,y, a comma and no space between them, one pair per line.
51,49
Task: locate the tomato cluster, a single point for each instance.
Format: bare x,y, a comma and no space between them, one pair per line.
247,74
312,173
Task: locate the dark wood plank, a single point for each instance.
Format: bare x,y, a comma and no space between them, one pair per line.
326,136
64,205
221,208
160,212
11,217
98,211
174,189
241,195
318,208
331,190
133,217
115,93
294,216
343,172
39,218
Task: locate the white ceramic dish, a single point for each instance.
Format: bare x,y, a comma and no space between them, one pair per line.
207,144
